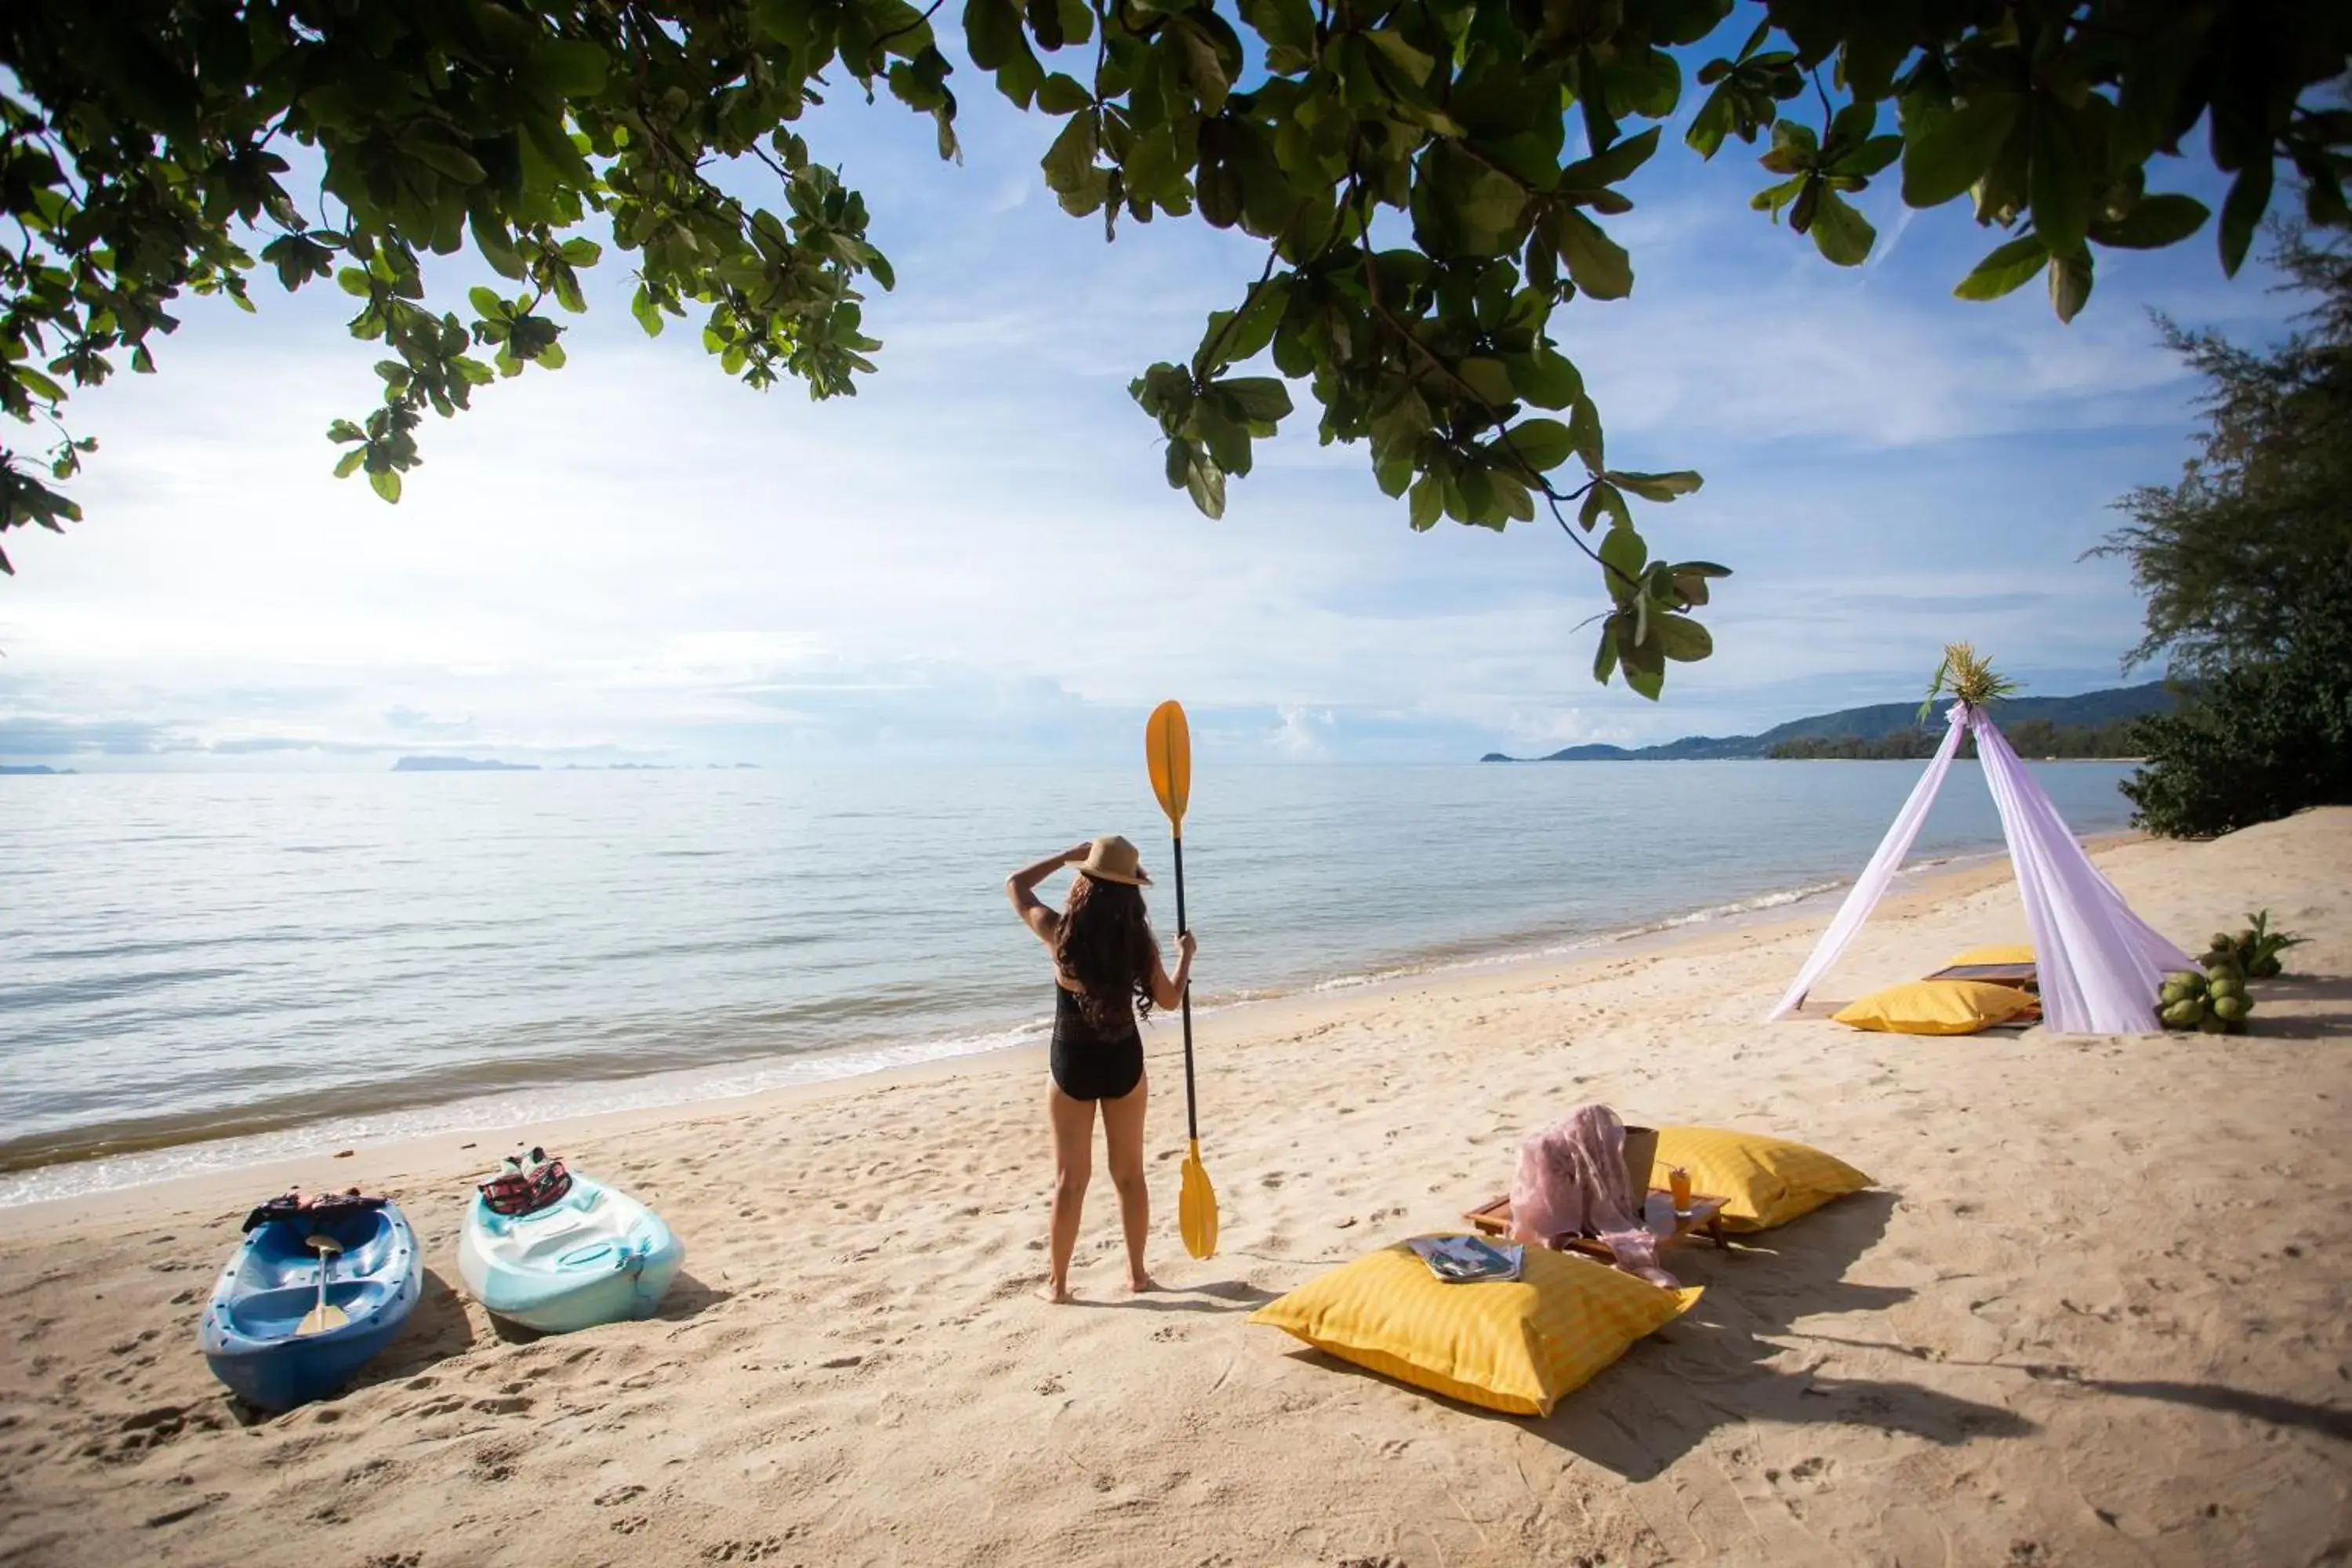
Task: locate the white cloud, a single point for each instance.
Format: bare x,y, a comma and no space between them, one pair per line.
978,554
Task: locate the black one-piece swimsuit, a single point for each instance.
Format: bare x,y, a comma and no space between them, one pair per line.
1087,1066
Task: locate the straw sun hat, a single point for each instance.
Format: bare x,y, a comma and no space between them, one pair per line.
1111,859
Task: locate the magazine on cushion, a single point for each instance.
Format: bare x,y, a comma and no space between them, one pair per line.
1466,1259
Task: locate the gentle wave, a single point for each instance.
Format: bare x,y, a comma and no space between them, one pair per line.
492,1113
126,1157
496,952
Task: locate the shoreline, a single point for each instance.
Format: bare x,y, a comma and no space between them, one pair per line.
2089,1311
338,1151
162,1146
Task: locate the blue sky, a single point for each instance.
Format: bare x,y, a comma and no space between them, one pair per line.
977,557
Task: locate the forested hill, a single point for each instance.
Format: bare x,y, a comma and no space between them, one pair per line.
2089,710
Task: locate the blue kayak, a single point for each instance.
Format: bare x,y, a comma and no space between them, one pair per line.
594,1256
250,1332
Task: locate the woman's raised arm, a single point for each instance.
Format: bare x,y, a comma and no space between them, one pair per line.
1021,889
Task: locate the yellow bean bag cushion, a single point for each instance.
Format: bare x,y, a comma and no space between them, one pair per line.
2015,953
1512,1346
1764,1181
1936,1007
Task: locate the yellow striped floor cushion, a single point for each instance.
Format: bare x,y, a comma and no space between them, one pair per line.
1511,1345
1764,1181
1936,1007
2014,953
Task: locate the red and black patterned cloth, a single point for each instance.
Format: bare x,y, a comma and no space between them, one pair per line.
316,1206
528,1190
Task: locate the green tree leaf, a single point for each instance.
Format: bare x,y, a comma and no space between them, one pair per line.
1060,94
1839,233
2006,269
2241,211
2070,283
1954,153
1681,638
2153,222
1542,445
2059,180
1258,396
1657,487
1624,553
1584,431
1598,263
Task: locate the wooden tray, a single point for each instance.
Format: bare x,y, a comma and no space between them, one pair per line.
2019,976
1492,1218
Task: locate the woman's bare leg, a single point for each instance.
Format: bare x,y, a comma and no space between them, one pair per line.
1123,1131
1073,1121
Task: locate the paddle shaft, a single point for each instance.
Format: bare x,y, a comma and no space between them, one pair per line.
1191,1117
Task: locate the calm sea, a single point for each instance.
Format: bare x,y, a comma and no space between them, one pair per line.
203,970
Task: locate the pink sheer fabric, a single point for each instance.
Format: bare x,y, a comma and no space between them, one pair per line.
1571,1177
1870,885
2098,964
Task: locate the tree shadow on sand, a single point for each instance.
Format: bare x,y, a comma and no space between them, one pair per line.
2267,1024
2328,1420
1708,1369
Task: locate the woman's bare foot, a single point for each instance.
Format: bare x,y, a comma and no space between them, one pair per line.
1057,1294
1138,1284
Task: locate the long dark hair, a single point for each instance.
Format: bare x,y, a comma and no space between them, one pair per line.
1106,945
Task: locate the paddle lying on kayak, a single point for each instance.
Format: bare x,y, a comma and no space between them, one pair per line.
1168,746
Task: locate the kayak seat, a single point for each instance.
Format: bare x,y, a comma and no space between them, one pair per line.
276,1314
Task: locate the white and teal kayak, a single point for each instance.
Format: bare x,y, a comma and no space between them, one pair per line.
594,1256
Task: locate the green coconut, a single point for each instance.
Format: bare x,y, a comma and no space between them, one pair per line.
2183,1014
2232,1007
2213,1024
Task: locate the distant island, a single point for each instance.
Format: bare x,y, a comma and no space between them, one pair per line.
27,770
2095,724
484,766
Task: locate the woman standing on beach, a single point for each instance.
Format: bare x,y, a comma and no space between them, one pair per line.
1106,970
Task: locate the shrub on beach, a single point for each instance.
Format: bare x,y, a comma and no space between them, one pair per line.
2247,566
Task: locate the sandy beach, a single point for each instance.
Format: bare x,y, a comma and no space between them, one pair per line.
2094,1313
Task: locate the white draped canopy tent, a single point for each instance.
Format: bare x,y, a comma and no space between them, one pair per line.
2098,964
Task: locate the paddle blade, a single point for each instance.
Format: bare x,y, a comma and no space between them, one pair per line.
319,1319
1168,744
1196,1206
